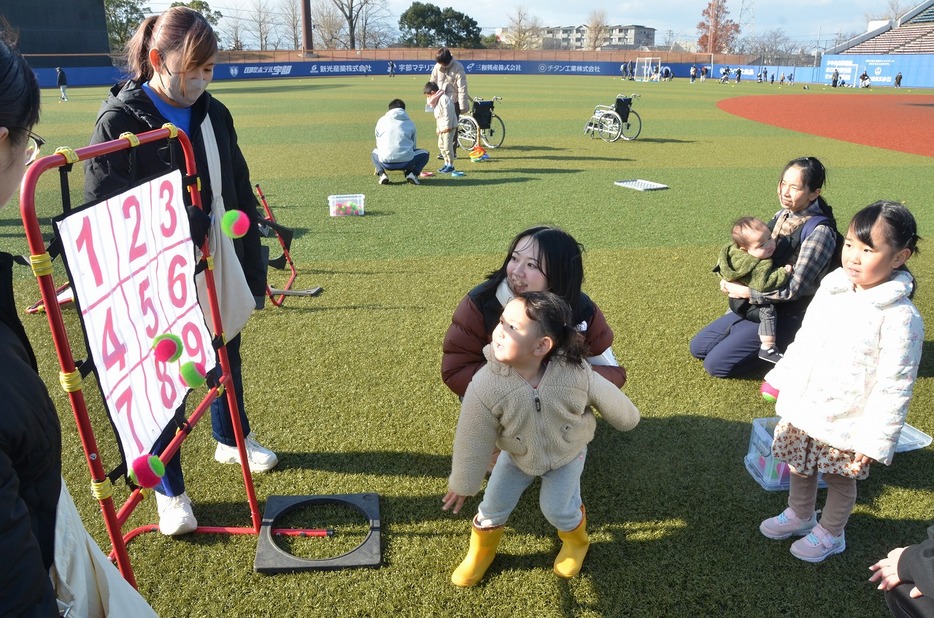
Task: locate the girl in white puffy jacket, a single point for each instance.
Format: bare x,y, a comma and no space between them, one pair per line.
845,383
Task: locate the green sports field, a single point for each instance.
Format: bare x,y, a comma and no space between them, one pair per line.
346,387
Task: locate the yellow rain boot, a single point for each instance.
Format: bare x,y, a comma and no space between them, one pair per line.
483,544
574,548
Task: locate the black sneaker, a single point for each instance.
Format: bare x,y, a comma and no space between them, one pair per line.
772,355
440,157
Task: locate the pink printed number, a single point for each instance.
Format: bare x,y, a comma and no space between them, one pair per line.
168,227
131,210
85,243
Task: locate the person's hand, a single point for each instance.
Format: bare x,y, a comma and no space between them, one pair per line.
789,268
200,223
454,500
886,573
734,290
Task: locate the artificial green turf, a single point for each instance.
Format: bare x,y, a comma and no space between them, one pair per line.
346,386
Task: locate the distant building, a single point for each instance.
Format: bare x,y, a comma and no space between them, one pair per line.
616,37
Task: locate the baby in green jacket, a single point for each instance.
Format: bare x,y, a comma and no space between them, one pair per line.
749,260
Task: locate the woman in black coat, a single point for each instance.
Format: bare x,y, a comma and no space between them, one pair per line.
30,435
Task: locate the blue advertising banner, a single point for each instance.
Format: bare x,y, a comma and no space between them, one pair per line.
917,70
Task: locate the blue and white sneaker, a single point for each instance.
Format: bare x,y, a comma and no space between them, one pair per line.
447,169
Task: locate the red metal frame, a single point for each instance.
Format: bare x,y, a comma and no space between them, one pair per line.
114,520
285,252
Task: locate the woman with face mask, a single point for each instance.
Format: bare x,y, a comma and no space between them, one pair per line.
171,62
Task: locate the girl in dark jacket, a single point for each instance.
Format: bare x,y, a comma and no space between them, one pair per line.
171,62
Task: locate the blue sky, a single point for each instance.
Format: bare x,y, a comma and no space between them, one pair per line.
801,20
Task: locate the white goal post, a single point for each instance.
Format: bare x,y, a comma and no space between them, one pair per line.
645,67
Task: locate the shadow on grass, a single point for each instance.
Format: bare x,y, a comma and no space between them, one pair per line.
282,88
926,369
581,158
478,180
672,502
545,170
660,140
534,148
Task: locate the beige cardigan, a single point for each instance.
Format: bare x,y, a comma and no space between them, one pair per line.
542,429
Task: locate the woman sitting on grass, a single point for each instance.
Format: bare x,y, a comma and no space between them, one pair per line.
730,344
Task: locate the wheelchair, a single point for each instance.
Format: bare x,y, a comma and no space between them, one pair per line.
481,127
610,122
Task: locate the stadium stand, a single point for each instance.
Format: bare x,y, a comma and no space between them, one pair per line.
913,34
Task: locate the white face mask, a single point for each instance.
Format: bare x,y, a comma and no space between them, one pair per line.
183,92
182,88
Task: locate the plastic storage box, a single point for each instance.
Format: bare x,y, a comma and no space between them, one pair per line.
343,205
772,474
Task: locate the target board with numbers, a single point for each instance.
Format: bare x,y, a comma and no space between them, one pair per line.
131,263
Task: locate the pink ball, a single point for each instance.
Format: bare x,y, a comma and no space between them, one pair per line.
167,348
235,223
147,471
768,392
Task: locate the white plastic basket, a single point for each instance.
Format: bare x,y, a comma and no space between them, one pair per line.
346,205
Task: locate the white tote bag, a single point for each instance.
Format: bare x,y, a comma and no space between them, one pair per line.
233,293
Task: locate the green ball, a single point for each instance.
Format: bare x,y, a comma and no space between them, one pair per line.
235,223
192,374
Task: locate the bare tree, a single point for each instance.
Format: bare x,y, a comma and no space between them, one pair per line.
373,27
327,25
524,29
772,47
597,29
893,10
290,21
232,29
352,12
259,23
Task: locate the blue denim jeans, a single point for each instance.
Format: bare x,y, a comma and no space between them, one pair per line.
559,498
415,166
173,483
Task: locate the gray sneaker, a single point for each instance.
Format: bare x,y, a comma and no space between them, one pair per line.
412,178
771,355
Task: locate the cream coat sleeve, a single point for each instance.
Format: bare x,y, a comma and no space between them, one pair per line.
474,440
613,404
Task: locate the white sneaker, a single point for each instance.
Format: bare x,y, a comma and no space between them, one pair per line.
383,179
175,514
412,178
261,458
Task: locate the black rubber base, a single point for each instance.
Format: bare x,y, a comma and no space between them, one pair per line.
271,559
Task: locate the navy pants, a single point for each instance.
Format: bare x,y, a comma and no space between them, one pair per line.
729,345
173,483
415,166
903,606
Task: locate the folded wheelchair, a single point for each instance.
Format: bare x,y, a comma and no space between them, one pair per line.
611,122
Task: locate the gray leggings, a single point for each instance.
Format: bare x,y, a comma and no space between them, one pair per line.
559,498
